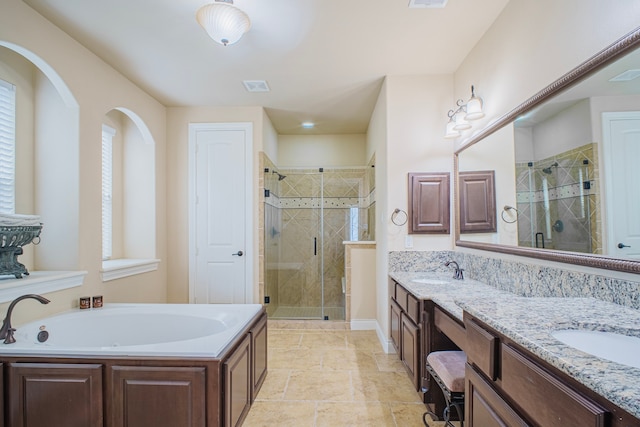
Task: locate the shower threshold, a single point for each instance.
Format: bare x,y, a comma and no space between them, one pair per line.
302,313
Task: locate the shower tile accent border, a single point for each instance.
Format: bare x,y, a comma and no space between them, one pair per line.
522,279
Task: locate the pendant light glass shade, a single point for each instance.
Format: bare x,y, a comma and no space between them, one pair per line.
474,107
224,23
451,133
461,123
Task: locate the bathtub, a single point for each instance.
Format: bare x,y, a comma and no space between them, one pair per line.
184,330
137,364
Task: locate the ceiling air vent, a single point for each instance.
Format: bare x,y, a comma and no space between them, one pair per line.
626,76
427,4
256,85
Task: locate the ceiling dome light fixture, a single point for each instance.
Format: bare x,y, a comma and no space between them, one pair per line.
225,23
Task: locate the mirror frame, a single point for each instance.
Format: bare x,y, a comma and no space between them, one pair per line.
616,50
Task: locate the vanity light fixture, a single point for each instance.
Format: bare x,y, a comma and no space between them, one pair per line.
224,22
459,117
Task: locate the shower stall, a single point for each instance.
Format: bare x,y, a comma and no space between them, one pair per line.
308,214
555,202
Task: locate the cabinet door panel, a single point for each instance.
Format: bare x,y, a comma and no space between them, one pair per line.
394,322
158,396
484,407
429,203
410,349
543,397
258,356
54,395
481,348
1,395
237,384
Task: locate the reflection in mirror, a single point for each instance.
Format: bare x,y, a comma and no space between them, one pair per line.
566,167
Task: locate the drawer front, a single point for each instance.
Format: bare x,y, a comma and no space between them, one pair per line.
450,328
544,398
401,297
413,308
481,348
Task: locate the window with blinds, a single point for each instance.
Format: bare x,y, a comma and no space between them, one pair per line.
7,147
107,191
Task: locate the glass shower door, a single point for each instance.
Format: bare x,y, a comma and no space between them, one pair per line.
294,239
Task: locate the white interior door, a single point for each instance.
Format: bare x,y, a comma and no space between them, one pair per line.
621,138
221,216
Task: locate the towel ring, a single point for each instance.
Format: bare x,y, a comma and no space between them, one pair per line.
508,208
394,217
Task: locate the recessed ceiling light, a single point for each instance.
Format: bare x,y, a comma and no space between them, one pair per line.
308,125
626,76
256,85
427,4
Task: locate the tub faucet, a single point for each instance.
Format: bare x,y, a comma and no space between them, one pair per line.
458,274
7,331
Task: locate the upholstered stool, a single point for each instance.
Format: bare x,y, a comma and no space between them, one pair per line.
447,369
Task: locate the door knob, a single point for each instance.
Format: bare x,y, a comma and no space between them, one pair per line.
239,253
622,245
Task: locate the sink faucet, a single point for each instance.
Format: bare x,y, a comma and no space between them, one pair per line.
7,331
458,274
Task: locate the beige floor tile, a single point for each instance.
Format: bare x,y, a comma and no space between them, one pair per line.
357,414
349,360
289,340
410,414
274,385
364,340
281,414
319,385
325,340
295,358
384,387
388,362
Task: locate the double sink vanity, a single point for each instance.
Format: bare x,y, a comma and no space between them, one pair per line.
524,366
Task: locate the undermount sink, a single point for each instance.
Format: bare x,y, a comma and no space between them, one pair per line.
431,281
623,349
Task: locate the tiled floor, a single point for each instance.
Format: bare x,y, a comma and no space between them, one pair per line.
333,377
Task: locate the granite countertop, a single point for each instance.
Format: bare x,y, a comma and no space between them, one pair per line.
529,322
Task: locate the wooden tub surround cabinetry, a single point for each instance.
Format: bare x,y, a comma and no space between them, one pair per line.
142,391
507,385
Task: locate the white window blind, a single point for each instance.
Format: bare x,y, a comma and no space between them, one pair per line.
107,191
7,147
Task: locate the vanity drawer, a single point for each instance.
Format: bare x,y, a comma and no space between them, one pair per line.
481,348
401,297
545,400
451,328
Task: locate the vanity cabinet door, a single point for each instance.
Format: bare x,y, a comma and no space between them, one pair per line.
429,203
237,384
394,322
258,355
410,354
483,405
2,401
54,395
157,396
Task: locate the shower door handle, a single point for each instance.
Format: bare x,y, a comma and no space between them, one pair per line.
315,246
239,253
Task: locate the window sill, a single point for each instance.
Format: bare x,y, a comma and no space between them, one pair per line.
40,282
118,268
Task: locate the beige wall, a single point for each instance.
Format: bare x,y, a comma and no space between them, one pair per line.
96,88
362,299
329,151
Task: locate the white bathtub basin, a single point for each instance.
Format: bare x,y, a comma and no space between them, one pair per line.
615,347
201,330
431,281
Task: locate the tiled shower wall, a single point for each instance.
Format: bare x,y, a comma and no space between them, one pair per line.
573,193
291,222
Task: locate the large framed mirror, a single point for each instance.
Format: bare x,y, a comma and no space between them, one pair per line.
567,164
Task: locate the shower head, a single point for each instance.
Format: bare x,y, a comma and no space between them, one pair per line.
548,170
280,176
